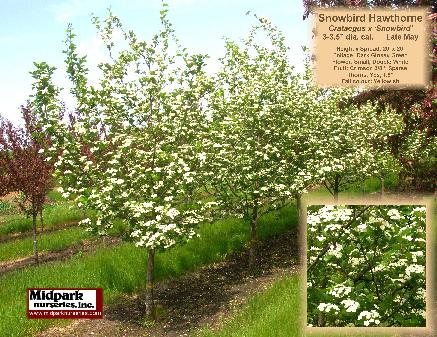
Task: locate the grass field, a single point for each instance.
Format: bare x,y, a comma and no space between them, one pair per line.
54,215
278,312
47,242
371,185
122,269
275,312
57,211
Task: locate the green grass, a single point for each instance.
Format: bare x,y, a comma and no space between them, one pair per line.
374,184
370,185
349,333
278,312
55,196
54,215
275,312
122,269
49,242
6,207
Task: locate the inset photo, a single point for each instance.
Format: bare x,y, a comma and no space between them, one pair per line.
366,266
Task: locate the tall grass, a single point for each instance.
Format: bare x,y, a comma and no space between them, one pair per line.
275,312
6,207
278,312
370,185
54,215
54,196
122,269
47,242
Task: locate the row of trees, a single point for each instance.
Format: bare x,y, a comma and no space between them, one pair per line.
163,146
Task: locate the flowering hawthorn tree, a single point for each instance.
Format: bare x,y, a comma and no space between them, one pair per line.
366,265
134,151
259,144
353,141
24,168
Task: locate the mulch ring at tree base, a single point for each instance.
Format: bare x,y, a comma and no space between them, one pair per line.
196,299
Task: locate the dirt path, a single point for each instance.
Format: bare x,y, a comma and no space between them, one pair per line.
86,246
196,299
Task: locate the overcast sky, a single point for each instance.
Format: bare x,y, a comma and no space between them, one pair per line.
34,30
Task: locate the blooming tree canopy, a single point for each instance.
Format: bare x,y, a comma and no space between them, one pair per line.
133,151
259,134
352,144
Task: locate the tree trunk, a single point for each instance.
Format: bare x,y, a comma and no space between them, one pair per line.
336,188
299,208
321,319
382,187
34,229
253,237
41,220
321,316
435,189
150,306
300,217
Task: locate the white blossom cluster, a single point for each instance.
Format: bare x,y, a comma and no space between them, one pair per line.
327,307
350,305
369,317
340,291
360,259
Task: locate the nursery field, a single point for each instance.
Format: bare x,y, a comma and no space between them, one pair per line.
119,268
57,213
178,182
225,296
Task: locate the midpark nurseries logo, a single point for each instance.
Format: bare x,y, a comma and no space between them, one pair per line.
65,303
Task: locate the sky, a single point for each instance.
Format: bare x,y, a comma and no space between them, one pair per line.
34,31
